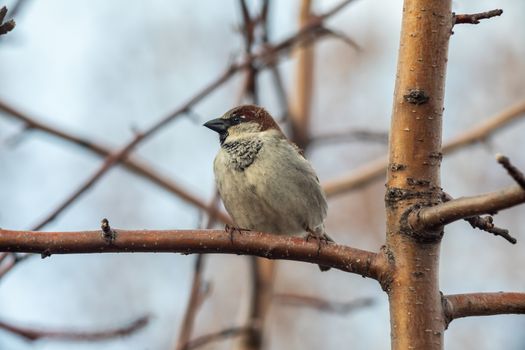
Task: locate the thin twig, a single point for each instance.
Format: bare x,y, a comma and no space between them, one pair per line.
7,26
274,69
197,294
138,167
514,172
199,288
485,223
342,308
474,18
35,334
211,337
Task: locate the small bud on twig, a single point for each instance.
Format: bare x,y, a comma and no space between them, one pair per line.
107,233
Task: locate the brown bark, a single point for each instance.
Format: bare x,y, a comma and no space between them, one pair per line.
362,262
482,304
416,315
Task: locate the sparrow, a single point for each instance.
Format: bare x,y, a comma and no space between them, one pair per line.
265,182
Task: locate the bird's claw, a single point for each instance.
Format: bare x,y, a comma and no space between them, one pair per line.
231,230
321,239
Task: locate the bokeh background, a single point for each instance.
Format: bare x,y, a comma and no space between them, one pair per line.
103,68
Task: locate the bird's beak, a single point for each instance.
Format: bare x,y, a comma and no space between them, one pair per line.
219,125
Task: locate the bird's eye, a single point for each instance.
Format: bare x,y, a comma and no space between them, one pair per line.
235,120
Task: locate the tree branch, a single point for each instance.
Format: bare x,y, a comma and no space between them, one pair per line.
514,172
211,337
133,164
35,334
365,263
199,288
474,18
342,308
484,223
197,295
482,304
465,207
5,27
376,169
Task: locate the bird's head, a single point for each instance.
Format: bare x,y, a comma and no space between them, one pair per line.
242,121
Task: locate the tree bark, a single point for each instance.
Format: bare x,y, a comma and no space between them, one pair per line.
416,313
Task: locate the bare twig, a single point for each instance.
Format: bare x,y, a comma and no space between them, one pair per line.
265,245
465,207
249,24
514,172
7,26
474,18
197,295
482,304
35,334
139,167
274,69
342,308
199,288
211,337
335,9
376,169
485,223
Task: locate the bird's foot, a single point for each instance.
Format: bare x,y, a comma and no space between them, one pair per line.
320,238
232,229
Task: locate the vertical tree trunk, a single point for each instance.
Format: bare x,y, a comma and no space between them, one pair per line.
416,312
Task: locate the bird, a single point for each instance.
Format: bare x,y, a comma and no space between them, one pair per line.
264,180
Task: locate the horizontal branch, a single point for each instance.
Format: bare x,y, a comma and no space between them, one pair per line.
464,207
35,334
376,169
482,304
365,263
338,307
473,18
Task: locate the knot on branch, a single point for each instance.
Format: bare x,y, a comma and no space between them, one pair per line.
395,195
107,232
416,97
420,234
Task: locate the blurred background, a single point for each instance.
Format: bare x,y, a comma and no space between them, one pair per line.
102,69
